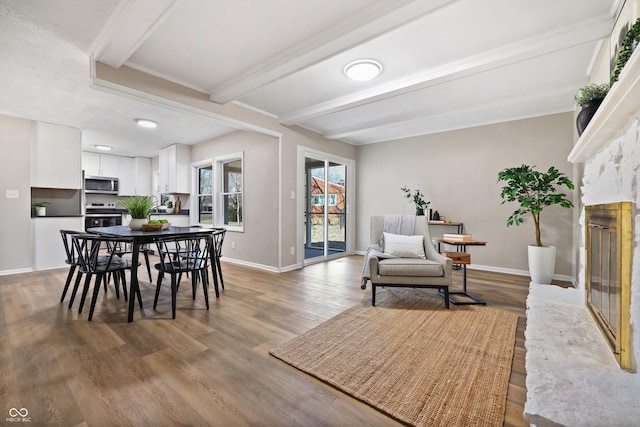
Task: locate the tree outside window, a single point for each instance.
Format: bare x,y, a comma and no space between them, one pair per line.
232,200
205,195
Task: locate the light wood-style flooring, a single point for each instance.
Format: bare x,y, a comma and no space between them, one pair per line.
205,367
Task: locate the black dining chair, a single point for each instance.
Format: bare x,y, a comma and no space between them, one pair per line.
182,256
88,248
71,261
122,248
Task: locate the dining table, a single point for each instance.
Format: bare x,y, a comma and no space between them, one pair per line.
138,239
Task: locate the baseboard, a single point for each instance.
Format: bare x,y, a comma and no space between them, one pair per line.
251,264
16,271
492,269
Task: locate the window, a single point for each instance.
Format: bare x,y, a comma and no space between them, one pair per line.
231,194
205,195
219,191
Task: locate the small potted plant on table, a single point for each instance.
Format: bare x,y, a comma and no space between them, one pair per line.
418,199
139,207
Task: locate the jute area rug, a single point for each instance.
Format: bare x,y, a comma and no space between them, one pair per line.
414,360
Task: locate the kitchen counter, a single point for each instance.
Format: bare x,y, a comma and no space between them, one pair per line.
182,212
58,216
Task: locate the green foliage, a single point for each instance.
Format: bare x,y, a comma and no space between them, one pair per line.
626,49
417,197
590,92
533,191
139,207
40,204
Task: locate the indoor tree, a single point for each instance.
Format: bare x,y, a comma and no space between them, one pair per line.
533,190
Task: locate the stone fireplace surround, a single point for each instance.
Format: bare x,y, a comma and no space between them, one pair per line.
573,378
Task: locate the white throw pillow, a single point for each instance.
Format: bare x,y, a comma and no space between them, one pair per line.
404,246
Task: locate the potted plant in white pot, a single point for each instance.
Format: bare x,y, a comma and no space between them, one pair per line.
41,208
418,199
139,207
533,191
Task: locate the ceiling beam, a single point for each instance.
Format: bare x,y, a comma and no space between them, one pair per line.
372,22
131,23
583,32
445,119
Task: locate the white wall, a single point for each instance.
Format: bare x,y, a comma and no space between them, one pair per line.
16,251
458,171
258,243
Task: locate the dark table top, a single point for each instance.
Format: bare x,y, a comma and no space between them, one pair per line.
125,231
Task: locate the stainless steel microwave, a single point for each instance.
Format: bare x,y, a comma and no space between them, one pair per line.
100,185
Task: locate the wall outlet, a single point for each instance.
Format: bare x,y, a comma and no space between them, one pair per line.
12,194
233,244
293,250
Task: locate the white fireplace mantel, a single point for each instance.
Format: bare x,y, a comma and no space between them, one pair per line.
572,377
615,114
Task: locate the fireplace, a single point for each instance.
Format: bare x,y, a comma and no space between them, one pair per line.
609,239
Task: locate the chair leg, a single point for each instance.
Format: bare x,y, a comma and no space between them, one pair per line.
146,259
446,297
72,270
205,285
214,274
158,285
124,285
87,282
373,294
194,281
96,291
75,288
174,290
215,281
219,269
139,298
116,284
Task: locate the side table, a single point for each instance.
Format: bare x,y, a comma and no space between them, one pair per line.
462,258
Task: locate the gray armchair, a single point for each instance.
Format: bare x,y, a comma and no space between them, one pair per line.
434,271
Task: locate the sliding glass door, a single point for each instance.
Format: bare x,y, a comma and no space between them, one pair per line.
325,208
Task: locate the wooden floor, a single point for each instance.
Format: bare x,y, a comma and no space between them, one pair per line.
205,367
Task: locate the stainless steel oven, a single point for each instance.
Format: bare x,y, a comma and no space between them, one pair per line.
102,220
102,215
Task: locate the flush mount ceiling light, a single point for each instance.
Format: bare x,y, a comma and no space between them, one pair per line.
146,123
102,147
363,70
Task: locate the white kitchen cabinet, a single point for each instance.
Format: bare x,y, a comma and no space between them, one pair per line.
96,164
175,169
49,250
135,176
55,157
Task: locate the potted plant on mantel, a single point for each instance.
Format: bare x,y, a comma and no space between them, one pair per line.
418,200
41,208
589,99
139,207
534,191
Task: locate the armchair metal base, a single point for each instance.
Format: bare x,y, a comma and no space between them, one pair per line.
442,290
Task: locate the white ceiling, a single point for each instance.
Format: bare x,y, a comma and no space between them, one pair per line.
448,64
